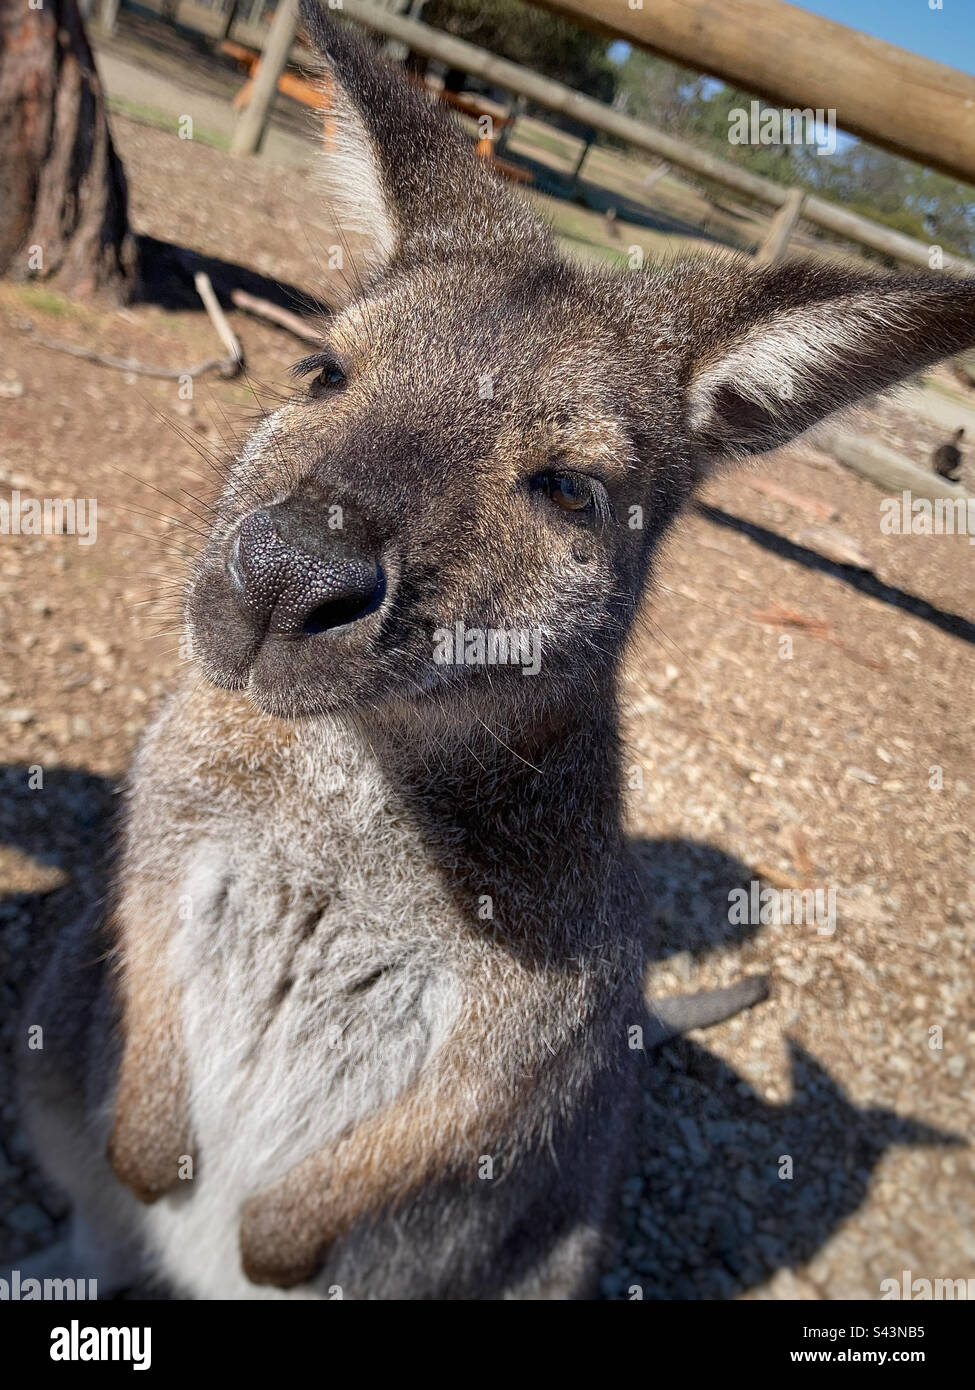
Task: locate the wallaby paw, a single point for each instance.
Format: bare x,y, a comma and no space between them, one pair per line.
680,1013
278,1245
148,1169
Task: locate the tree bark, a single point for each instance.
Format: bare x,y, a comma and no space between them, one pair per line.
63,203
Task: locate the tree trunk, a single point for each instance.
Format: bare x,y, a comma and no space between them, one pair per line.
63,204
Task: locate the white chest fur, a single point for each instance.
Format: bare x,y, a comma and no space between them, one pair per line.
314,957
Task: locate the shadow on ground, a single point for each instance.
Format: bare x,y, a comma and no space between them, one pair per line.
166,273
598,198
861,579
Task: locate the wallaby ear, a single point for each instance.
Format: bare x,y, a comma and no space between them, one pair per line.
778,350
398,171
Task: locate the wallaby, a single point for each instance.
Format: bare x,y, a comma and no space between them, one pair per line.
369,1023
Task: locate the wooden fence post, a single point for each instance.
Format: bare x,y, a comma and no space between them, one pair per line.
108,16
252,122
776,242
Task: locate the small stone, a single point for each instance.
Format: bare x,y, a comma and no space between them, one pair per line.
18,715
692,1135
682,965
861,776
18,1146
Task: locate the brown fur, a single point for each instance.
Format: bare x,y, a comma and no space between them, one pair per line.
337,811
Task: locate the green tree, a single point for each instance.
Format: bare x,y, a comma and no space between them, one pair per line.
526,35
658,92
881,186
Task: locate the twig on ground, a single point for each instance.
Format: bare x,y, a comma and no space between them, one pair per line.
284,318
777,615
218,318
227,366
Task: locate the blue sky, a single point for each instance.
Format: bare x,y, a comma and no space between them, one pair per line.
947,35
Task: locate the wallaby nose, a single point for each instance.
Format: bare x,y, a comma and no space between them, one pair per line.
295,577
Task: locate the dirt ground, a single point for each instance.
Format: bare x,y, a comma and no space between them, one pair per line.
844,765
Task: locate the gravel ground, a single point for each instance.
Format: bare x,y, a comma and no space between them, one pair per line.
747,763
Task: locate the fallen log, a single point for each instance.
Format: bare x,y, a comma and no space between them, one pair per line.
888,470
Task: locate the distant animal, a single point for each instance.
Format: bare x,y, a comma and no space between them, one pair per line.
947,459
373,1010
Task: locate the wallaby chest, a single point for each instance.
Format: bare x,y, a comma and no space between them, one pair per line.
314,943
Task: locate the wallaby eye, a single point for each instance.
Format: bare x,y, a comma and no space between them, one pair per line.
567,491
330,376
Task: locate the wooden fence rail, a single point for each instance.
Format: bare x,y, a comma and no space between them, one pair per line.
884,94
458,53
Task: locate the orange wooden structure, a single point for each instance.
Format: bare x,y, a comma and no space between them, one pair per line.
289,83
316,95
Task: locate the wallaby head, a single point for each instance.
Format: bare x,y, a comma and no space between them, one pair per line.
495,437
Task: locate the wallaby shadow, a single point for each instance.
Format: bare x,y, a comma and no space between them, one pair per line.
705,1212
729,1188
686,885
62,818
